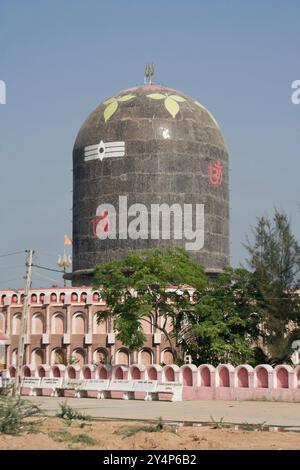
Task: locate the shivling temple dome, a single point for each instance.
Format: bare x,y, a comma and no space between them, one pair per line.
150,169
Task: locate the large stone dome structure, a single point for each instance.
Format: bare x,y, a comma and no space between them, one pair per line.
151,145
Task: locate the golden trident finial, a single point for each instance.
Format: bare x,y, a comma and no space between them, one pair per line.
149,72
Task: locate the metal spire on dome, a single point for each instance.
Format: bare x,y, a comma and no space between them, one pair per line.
149,72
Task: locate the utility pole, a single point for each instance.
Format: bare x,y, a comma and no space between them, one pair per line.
24,318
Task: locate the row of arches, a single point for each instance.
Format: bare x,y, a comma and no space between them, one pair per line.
58,324
100,356
54,297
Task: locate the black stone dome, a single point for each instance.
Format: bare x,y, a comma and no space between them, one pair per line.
170,142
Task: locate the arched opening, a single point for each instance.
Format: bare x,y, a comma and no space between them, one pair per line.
205,377
146,357
169,374
83,297
122,357
42,298
74,297
71,372
187,377
86,372
41,372
78,355
224,377
96,297
100,356
14,299
33,299
152,373
119,373
135,373
167,357
62,297
12,372
26,372
243,378
78,324
16,324
37,357
55,372
282,378
57,356
53,298
262,378
102,373
57,324
99,328
37,324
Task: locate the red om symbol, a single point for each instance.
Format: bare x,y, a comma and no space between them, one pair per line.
215,173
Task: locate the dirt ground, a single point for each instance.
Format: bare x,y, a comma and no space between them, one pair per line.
106,435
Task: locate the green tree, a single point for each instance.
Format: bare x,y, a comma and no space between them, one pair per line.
274,258
147,282
224,324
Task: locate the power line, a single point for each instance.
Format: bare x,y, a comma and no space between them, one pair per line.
13,253
48,269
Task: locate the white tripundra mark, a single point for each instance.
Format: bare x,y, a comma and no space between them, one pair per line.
104,150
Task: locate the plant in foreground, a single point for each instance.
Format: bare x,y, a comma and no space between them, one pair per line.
69,414
15,414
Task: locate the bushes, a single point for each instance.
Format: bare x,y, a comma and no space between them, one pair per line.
15,414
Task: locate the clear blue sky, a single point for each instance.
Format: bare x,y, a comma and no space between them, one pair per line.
60,58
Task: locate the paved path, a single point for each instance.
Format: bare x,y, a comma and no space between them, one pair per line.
273,413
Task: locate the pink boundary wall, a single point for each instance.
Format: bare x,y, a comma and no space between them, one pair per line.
206,382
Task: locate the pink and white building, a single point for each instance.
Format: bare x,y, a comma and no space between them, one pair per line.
62,323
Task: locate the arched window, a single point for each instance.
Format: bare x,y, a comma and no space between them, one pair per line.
122,357
78,323
62,297
37,357
100,356
57,356
100,328
57,324
37,324
14,299
146,357
42,298
79,355
83,297
74,297
33,299
53,298
3,299
16,324
96,297
167,357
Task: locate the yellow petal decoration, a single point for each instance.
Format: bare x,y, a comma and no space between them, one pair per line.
171,101
113,104
177,98
171,106
125,98
156,96
110,100
110,110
